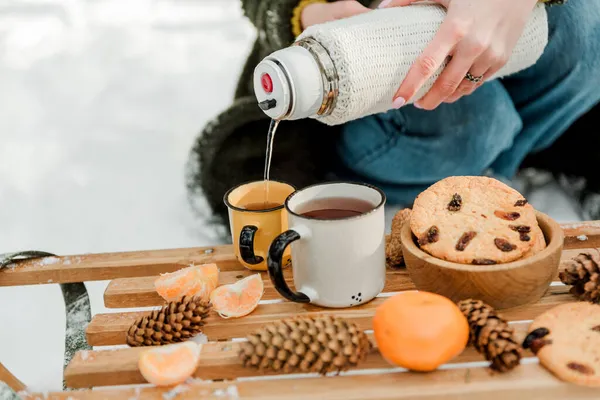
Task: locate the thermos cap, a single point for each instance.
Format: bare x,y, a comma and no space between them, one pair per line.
288,84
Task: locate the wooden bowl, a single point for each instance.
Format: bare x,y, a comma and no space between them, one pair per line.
501,286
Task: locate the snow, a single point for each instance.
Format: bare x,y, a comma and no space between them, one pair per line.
231,392
6,393
176,391
137,392
200,338
100,102
48,261
85,355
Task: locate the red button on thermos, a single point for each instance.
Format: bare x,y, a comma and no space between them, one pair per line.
267,83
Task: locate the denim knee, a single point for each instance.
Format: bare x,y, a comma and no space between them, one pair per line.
575,38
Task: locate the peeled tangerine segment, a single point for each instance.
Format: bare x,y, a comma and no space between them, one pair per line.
197,280
170,365
238,299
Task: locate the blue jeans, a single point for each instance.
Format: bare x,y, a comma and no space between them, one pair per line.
404,151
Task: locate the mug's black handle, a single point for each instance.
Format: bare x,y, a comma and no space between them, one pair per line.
247,245
274,262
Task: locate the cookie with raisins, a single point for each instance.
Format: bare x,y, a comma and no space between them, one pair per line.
566,339
474,220
539,244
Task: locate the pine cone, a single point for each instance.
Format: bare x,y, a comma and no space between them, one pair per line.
175,322
491,335
306,344
583,272
393,242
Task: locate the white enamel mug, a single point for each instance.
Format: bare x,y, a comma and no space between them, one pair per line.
336,262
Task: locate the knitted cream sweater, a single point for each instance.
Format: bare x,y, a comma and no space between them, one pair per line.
373,52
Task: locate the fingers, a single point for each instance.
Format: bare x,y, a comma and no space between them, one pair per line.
486,65
395,3
464,89
428,62
467,87
497,60
347,8
402,3
318,13
453,76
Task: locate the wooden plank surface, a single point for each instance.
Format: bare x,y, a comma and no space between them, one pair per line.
94,267
219,360
140,292
110,329
7,377
582,234
97,267
527,382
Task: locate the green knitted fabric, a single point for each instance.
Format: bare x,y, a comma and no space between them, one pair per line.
272,18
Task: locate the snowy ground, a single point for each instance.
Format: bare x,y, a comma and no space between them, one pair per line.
100,101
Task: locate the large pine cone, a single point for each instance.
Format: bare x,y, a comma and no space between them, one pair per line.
175,322
306,344
583,273
491,335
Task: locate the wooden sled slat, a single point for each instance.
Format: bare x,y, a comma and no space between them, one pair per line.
7,377
219,360
94,267
110,329
97,267
140,292
527,382
582,234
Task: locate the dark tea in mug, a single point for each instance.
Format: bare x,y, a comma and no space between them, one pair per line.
335,208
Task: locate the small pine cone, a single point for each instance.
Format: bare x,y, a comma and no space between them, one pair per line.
393,242
175,322
583,273
306,344
491,335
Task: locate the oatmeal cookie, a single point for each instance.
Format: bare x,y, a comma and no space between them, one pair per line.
566,339
474,220
538,245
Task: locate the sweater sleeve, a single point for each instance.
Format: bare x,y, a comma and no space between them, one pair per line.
272,18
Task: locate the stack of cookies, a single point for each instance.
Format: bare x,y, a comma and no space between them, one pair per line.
475,220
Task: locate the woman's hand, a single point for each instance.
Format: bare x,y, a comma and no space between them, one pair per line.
479,35
317,13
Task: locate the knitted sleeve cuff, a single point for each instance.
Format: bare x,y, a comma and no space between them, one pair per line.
297,17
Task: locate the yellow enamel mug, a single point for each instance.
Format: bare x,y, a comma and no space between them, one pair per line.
255,220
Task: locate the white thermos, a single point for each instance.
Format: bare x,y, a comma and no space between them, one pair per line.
350,68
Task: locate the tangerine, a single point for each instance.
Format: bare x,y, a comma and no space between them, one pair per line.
196,280
419,330
171,364
239,298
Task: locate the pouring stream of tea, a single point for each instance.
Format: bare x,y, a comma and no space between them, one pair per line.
270,138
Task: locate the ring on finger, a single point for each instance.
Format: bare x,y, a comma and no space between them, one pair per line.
472,78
